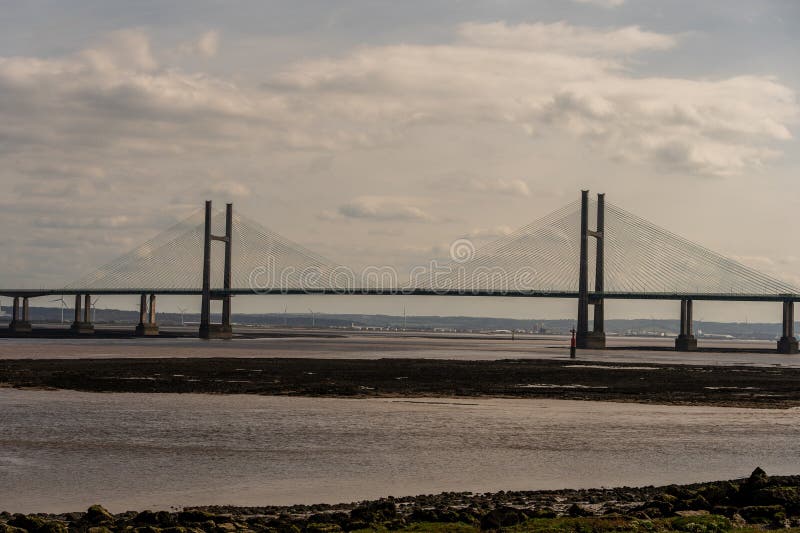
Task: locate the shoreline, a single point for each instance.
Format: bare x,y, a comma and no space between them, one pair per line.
760,501
646,383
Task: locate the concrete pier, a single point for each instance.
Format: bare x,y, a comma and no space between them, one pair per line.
82,325
788,343
20,323
147,326
686,341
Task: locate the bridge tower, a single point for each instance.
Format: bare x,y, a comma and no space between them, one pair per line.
686,341
788,342
597,337
20,324
207,329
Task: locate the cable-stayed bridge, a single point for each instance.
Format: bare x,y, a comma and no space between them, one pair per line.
632,259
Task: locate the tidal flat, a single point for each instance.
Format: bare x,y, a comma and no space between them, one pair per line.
668,384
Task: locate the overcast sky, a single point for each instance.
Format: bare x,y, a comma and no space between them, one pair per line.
377,132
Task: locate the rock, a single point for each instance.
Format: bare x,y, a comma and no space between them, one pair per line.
28,522
226,527
691,513
719,493
98,515
576,510
375,512
763,514
542,512
698,503
502,517
98,529
5,528
149,518
323,528
194,515
757,480
788,497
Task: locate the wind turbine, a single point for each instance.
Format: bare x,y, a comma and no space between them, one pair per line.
94,309
285,319
182,310
313,319
63,306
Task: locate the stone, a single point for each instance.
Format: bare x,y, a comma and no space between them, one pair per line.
97,515
502,517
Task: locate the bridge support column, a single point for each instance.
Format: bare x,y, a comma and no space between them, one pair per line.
20,324
207,329
596,338
83,323
788,342
147,326
686,342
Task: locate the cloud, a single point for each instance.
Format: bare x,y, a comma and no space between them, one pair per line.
563,37
206,45
227,188
468,182
489,234
115,99
105,127
557,78
122,49
602,3
384,208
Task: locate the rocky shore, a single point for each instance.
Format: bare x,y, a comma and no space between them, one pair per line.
756,503
741,386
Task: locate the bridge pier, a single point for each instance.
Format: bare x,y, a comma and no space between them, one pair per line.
788,343
147,326
82,325
20,324
224,329
596,338
686,341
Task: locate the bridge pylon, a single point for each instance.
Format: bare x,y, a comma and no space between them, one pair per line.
20,322
686,341
82,325
224,329
597,337
147,326
788,342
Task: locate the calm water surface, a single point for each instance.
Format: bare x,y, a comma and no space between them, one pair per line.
62,450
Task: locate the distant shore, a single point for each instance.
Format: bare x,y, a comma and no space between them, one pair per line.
729,386
748,504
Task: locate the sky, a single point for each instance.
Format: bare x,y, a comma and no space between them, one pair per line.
379,132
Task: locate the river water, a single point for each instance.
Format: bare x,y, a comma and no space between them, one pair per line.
63,450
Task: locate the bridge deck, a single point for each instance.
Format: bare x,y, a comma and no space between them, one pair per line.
401,291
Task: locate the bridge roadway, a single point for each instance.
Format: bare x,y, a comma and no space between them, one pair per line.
399,291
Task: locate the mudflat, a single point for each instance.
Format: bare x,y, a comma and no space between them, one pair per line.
741,386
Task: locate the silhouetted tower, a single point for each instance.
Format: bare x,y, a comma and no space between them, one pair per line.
207,329
597,337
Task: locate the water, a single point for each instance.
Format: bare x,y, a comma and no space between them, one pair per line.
62,450
368,346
